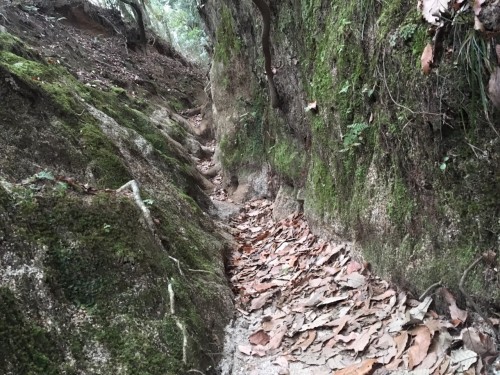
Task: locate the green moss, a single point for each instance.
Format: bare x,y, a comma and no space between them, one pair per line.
288,159
227,44
321,188
26,347
246,146
107,167
4,196
401,205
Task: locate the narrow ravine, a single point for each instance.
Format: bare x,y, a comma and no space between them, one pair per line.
306,305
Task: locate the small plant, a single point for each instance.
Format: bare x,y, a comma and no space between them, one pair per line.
44,175
354,136
443,164
345,88
406,32
148,202
106,228
61,188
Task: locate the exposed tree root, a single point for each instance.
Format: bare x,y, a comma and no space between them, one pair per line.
430,289
266,48
178,322
134,188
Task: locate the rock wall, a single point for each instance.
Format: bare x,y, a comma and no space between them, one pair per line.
89,284
404,164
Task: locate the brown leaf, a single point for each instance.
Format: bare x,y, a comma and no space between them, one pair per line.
364,338
348,338
259,338
428,361
262,287
386,294
362,368
260,301
455,312
245,349
401,341
332,300
494,87
353,267
478,342
426,59
355,280
310,339
259,351
277,338
418,351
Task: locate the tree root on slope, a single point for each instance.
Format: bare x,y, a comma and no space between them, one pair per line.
134,188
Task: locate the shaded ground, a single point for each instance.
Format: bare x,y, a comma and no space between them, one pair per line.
306,306
99,49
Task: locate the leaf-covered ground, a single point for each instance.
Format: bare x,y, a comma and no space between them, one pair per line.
306,306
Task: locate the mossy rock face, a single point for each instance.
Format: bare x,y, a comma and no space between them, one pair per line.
394,166
84,280
98,284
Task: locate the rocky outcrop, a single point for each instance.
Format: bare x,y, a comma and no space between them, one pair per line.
403,163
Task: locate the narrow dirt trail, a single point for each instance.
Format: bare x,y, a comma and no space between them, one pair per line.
306,306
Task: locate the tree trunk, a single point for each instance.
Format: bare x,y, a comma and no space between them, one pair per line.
140,19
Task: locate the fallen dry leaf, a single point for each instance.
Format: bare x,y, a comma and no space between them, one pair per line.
245,349
260,301
494,87
419,311
332,300
259,337
455,312
431,8
463,358
418,351
277,338
478,342
426,59
364,338
362,368
386,294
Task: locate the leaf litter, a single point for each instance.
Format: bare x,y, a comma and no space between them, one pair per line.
310,307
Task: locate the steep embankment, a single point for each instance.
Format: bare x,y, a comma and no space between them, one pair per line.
95,280
405,164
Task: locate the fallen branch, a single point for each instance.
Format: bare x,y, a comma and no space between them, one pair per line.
429,289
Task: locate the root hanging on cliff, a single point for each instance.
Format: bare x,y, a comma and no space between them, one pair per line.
134,188
178,322
266,48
